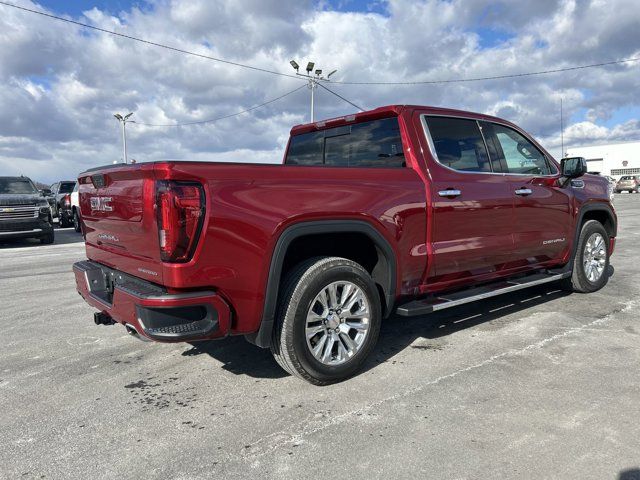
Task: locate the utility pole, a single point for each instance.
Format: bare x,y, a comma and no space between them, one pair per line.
561,128
313,80
123,121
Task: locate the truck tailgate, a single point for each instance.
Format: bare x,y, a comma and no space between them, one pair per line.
117,207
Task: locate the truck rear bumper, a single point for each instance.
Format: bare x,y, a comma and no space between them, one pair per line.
148,309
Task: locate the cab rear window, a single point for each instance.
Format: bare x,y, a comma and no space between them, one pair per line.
374,144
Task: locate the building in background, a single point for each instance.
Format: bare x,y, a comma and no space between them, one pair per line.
615,160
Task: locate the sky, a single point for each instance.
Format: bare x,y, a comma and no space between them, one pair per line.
61,83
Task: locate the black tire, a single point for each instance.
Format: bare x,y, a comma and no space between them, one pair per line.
578,281
48,239
300,288
76,221
63,221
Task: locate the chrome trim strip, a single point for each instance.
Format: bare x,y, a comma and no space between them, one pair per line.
35,230
432,149
449,193
169,296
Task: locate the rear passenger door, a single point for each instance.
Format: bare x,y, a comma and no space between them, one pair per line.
542,225
472,204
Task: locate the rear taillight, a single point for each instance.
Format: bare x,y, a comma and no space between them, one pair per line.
180,210
66,200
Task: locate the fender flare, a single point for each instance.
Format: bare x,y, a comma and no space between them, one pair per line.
262,337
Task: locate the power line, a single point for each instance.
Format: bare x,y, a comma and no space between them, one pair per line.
255,107
341,97
494,77
148,42
273,72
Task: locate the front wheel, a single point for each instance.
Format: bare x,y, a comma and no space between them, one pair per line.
591,261
328,320
48,239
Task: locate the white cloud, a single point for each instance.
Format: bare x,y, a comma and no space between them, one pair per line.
61,84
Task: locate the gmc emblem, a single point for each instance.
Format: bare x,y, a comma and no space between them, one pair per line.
101,204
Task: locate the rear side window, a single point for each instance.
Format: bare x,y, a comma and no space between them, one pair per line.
375,144
520,155
66,187
459,144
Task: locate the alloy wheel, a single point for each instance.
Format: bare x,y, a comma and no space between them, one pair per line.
337,323
594,257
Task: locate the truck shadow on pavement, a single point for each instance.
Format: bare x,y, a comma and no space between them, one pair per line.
397,333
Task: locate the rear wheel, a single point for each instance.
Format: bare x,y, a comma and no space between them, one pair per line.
591,261
328,320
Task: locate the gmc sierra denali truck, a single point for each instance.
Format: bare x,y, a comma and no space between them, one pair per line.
402,209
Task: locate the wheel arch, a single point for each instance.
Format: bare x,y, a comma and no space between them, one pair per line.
594,211
600,212
384,271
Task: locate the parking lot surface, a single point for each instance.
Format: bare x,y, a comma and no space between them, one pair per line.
537,384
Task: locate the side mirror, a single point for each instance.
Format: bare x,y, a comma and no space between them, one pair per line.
573,167
46,192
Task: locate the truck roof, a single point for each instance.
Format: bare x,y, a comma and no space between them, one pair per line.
387,111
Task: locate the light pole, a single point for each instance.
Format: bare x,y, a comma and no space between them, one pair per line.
123,121
313,80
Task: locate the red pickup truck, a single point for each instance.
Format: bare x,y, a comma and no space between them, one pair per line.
401,209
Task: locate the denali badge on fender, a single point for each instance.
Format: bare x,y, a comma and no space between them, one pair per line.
555,240
101,204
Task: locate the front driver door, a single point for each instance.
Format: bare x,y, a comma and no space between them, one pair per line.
542,222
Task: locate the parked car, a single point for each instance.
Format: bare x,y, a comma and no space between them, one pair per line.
629,183
75,209
24,211
61,195
402,209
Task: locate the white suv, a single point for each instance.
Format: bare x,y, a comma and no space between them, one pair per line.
75,209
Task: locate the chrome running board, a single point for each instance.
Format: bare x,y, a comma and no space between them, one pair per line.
449,300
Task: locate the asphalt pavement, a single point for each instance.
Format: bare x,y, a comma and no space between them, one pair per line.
536,384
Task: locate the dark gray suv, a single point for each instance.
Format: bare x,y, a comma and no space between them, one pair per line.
24,211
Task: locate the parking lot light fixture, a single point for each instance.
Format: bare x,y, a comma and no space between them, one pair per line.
123,122
313,80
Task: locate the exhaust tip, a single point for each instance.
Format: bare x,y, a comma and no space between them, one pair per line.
131,330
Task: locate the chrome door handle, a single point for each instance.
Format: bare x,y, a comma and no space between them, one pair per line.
524,191
450,193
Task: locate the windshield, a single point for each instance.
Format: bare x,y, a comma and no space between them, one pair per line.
16,186
66,187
